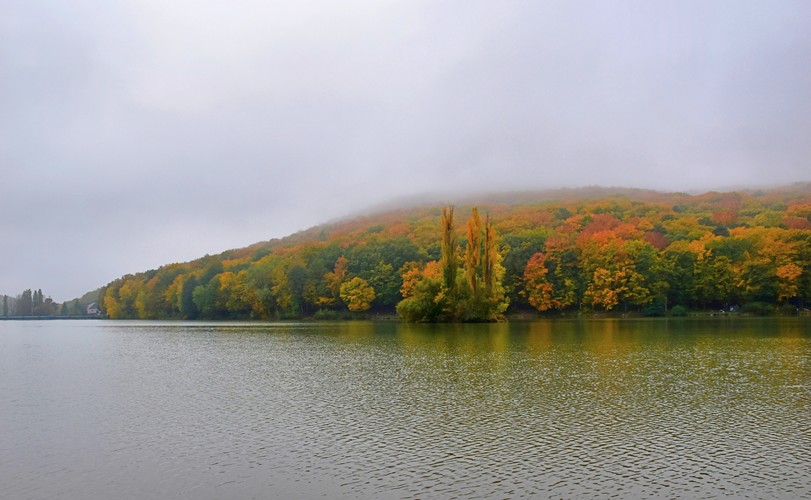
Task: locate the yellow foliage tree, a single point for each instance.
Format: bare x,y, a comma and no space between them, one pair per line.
357,294
473,251
788,281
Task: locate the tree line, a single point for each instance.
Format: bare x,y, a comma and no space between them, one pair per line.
647,253
34,303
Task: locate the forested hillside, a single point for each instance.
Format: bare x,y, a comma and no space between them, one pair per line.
561,251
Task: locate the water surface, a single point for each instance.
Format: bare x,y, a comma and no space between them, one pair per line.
697,408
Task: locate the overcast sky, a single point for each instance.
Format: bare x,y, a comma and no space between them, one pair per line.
138,133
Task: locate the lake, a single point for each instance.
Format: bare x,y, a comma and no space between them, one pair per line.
595,408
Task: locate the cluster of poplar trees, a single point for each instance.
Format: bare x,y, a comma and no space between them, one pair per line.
461,286
645,252
29,303
35,303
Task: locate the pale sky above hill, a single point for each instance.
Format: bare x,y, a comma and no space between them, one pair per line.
139,133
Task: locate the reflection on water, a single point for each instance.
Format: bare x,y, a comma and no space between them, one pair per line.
562,409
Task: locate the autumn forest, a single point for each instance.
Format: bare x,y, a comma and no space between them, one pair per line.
587,251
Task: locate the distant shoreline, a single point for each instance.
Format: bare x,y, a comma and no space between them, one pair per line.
384,318
28,318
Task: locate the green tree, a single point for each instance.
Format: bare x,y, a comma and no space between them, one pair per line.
205,299
517,249
25,303
297,281
384,279
449,248
187,306
422,293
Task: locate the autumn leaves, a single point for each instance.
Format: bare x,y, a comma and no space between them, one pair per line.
446,291
580,255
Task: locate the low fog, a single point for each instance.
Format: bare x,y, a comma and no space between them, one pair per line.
139,133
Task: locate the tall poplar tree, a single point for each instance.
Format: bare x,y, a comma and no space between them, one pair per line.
473,251
36,303
25,303
448,261
490,257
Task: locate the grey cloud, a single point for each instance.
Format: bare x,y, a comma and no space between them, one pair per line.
134,134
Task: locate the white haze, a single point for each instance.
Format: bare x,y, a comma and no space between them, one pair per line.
138,133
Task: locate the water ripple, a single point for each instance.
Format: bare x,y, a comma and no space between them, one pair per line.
140,410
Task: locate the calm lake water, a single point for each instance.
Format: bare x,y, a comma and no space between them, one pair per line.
665,408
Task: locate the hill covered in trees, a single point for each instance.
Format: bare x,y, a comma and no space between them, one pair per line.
560,251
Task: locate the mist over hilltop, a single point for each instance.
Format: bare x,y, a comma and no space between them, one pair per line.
566,252
138,133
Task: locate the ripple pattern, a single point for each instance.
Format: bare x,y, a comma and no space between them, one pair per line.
360,410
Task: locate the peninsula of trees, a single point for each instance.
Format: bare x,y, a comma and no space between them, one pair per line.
558,252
